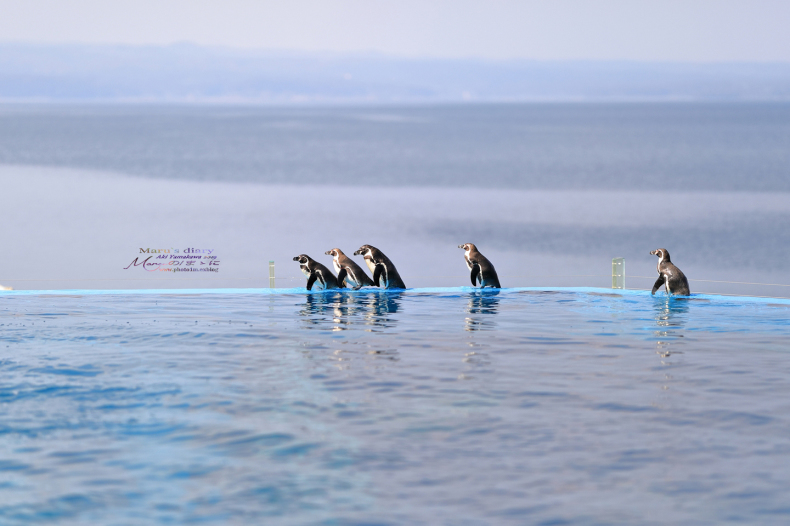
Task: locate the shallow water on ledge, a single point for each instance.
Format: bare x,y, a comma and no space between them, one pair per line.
448,406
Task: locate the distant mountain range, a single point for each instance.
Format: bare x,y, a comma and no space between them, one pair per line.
190,73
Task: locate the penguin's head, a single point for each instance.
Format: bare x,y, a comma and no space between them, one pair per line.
364,250
662,253
302,259
467,247
335,252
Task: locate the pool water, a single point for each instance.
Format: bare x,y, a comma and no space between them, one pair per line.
428,406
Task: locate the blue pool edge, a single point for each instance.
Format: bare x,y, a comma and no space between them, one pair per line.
428,290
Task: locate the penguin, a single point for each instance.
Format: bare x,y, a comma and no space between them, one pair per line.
669,275
316,272
482,269
348,272
384,272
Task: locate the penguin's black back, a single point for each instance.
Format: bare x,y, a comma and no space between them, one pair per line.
488,276
347,263
394,280
674,278
329,278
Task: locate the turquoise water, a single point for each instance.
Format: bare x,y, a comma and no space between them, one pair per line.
429,406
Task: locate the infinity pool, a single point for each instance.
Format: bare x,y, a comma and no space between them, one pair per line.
429,406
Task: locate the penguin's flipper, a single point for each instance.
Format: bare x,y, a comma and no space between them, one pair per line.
475,274
377,274
657,285
311,281
341,276
321,278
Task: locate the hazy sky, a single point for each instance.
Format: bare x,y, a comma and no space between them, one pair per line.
685,30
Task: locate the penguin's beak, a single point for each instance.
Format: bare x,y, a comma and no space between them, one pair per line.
328,252
296,258
460,246
654,252
357,252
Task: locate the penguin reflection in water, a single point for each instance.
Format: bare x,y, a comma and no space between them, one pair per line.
669,275
332,310
349,274
482,269
481,309
384,272
316,273
337,311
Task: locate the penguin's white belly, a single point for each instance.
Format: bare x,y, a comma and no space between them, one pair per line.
305,271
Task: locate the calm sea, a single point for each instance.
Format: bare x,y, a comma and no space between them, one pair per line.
664,147
551,193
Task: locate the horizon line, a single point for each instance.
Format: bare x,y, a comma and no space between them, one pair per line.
373,54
